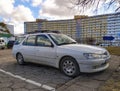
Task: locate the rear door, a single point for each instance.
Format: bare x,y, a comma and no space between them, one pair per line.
28,48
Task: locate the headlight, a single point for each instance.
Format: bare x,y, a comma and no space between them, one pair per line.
93,55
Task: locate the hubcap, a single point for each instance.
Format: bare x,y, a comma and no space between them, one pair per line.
69,67
20,58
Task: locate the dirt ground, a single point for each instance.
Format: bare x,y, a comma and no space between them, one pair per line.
113,83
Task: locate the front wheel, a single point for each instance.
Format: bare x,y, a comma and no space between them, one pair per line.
20,59
69,67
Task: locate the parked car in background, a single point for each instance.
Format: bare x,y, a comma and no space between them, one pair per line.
60,51
104,44
10,43
2,43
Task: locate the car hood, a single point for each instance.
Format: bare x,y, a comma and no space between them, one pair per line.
83,48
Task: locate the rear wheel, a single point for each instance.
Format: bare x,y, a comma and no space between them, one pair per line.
69,67
20,59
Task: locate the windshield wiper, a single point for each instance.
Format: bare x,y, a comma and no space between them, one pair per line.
68,43
73,43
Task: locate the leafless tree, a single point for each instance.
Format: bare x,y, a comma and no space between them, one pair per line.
82,5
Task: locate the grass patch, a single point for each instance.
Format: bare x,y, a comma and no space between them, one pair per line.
114,50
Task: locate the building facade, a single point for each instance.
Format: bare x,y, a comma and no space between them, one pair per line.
84,28
94,27
98,27
10,28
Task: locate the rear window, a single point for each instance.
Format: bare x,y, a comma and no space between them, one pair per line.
19,40
30,41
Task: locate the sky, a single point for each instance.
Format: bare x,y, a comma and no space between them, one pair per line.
16,12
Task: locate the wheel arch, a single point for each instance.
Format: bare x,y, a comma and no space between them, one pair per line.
64,57
77,72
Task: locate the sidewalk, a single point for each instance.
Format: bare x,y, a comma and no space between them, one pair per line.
8,83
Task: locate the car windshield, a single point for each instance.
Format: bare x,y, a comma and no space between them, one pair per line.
61,39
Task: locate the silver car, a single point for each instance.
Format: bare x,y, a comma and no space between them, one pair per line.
60,51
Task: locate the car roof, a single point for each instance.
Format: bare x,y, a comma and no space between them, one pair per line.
39,34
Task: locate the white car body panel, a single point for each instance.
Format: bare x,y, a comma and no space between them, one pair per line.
28,52
46,55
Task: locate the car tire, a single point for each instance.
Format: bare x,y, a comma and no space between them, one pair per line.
20,59
69,67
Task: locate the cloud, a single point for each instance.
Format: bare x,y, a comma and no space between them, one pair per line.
21,14
6,7
15,15
65,9
59,9
36,3
55,9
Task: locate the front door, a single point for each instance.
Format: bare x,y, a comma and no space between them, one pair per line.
45,51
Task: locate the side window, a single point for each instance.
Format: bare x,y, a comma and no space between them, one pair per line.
43,40
19,40
30,41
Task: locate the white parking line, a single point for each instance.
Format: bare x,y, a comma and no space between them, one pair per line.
29,81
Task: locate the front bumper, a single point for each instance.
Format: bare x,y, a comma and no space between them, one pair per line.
94,66
2,47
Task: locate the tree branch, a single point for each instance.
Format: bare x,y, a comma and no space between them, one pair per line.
86,4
